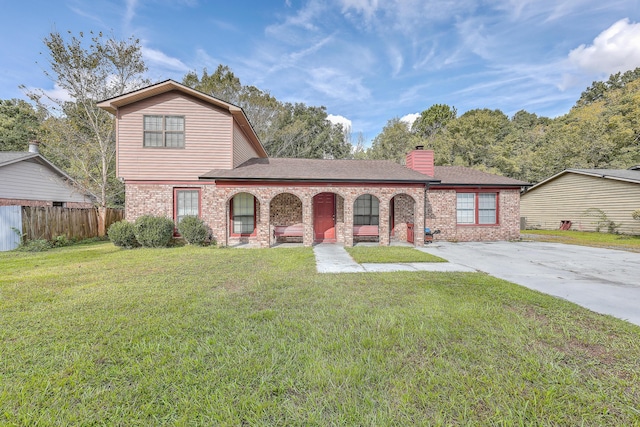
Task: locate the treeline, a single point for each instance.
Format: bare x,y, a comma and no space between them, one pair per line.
601,131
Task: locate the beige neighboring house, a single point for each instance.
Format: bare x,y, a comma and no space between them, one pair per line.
585,197
28,179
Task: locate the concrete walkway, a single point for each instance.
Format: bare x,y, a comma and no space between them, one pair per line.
332,258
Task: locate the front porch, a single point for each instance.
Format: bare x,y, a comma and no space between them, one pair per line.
268,216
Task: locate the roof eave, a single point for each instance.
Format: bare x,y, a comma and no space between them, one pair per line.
324,180
19,159
442,184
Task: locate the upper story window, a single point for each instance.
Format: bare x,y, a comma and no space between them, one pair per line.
164,131
477,208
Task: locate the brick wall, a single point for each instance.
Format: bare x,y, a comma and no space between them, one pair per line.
157,199
403,211
441,214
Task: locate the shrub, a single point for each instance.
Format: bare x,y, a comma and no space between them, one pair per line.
636,215
121,234
193,230
38,245
154,231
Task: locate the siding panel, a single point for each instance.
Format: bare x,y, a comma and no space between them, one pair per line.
29,180
208,138
570,195
242,149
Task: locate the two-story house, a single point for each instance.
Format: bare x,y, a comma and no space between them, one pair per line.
182,152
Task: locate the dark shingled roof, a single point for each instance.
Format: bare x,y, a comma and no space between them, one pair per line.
460,175
286,169
7,157
622,174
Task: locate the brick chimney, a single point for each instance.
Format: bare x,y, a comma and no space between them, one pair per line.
421,160
34,146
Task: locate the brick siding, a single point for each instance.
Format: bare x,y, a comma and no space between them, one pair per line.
296,202
441,214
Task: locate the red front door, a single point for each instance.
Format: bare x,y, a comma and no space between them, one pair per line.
324,224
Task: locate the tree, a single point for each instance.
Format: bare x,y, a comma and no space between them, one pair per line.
394,142
222,84
432,120
474,139
261,108
19,123
302,131
78,133
598,90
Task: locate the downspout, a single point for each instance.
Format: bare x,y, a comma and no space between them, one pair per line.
424,210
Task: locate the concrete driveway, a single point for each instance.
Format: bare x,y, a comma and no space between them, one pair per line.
603,280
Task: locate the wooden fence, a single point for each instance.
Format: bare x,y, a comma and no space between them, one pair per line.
74,223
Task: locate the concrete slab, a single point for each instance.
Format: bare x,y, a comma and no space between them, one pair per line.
418,266
606,281
332,258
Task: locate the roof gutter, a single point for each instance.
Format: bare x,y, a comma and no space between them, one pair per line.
257,179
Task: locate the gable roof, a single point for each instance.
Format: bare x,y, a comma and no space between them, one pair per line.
8,157
464,176
11,157
628,175
112,104
319,170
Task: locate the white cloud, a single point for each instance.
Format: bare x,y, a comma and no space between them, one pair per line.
303,19
367,8
615,49
396,58
162,60
130,11
336,84
337,119
410,118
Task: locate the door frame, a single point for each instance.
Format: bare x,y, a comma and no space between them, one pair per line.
315,219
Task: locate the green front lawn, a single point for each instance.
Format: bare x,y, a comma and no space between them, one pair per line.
586,238
92,334
390,254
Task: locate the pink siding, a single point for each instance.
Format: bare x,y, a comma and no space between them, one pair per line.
242,149
421,161
208,139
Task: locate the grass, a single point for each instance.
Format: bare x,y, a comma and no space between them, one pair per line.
390,254
586,238
92,334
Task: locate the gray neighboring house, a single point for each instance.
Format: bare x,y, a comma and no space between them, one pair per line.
28,179
581,196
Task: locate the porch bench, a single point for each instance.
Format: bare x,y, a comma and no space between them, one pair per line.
295,230
365,231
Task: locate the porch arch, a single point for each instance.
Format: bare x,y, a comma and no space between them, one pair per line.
366,218
402,214
243,213
285,210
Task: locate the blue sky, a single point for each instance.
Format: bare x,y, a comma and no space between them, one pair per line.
367,61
